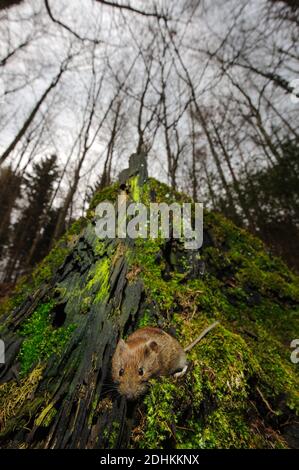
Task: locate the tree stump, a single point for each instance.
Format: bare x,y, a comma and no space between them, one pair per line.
61,327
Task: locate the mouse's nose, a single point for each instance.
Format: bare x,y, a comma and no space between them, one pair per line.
130,396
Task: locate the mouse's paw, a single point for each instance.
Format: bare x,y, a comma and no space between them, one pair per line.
180,373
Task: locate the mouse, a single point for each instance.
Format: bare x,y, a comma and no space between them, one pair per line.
147,353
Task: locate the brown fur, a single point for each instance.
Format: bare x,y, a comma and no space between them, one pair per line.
150,349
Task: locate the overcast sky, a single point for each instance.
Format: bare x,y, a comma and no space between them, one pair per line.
197,27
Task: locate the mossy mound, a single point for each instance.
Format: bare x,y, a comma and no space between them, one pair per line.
241,389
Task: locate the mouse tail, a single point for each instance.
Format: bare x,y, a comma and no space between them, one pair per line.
199,338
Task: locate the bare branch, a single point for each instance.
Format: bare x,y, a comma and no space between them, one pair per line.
65,26
131,9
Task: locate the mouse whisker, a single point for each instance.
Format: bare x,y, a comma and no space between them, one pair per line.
109,392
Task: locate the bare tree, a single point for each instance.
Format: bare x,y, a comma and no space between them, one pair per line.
34,111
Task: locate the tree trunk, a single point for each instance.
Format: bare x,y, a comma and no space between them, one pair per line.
30,118
78,381
56,389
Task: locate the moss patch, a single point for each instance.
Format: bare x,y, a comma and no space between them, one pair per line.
45,270
99,279
242,384
13,395
107,194
46,416
241,388
41,339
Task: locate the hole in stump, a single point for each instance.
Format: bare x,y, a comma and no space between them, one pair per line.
59,316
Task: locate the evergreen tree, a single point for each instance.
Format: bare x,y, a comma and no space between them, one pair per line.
29,230
46,238
10,191
272,196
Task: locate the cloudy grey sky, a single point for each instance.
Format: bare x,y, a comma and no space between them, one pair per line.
118,45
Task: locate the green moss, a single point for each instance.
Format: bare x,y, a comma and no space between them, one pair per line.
86,303
77,227
99,279
16,396
241,385
92,412
222,367
41,339
113,435
225,429
135,189
243,365
44,271
154,190
144,255
100,248
159,420
107,194
146,320
46,416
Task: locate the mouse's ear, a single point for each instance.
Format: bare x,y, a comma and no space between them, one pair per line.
121,345
151,346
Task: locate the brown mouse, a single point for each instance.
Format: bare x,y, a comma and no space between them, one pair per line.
147,353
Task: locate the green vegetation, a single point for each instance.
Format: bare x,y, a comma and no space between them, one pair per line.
241,387
16,396
41,338
99,281
45,270
242,371
271,195
107,194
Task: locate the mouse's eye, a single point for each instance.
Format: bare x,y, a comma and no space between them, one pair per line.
121,372
140,371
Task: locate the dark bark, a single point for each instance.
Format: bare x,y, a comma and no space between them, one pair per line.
80,378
